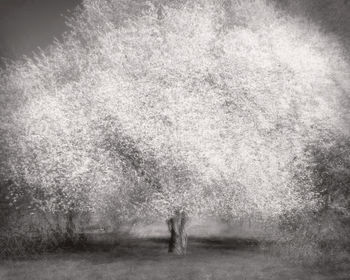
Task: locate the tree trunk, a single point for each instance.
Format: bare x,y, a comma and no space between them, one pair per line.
178,235
70,229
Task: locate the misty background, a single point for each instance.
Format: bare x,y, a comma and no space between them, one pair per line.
26,25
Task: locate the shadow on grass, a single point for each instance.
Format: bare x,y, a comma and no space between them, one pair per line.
105,243
108,247
156,249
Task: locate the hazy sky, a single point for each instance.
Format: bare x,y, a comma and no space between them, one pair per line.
27,24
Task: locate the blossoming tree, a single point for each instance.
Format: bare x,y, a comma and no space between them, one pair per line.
203,111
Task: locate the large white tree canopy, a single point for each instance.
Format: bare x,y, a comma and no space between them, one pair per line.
207,109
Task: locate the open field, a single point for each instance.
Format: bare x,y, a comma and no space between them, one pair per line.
132,259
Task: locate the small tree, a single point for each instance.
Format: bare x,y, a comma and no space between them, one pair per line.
319,233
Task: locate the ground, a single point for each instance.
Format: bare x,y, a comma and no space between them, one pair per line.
147,258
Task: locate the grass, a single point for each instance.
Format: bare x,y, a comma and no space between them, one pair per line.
147,258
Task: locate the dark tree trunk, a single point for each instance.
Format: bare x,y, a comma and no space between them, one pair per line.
70,224
70,229
72,236
178,235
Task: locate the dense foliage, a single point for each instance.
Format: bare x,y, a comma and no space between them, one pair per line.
207,106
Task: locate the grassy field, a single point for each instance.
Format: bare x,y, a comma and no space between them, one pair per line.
148,259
